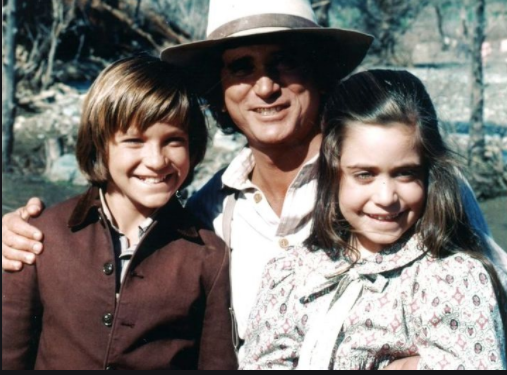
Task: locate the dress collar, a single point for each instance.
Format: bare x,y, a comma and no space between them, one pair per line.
328,277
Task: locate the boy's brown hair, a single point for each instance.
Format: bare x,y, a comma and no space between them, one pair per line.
137,91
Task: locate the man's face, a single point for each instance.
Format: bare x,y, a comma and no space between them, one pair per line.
271,95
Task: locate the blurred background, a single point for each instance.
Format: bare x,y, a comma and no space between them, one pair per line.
53,49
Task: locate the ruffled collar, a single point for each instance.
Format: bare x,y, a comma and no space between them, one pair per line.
370,269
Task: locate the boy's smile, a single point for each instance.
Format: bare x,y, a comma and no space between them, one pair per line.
146,168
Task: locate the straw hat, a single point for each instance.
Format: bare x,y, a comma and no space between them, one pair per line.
233,23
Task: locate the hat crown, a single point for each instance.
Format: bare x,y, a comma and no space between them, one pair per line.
224,12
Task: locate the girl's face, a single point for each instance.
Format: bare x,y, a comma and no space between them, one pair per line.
147,168
382,192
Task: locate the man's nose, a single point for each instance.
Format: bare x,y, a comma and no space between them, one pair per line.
266,86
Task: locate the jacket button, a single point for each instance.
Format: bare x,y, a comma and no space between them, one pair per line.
108,269
109,367
107,319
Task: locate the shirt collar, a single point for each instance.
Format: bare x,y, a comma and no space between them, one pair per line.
143,227
172,215
237,174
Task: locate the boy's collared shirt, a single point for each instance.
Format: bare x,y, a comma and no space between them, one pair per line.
122,249
173,309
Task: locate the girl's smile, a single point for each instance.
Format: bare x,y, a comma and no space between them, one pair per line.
382,192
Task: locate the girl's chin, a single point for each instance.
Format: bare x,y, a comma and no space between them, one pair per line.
377,243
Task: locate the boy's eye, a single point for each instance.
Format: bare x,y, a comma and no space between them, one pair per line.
132,140
176,141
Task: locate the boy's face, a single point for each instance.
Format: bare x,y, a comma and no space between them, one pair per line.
382,191
146,169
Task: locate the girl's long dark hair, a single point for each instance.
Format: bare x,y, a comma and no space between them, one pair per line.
384,97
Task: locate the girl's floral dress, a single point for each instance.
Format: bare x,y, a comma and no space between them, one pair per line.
398,303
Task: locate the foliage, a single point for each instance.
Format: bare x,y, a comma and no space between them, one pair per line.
62,40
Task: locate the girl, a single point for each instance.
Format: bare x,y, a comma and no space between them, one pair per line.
131,281
393,268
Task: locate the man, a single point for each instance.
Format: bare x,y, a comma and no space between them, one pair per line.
274,64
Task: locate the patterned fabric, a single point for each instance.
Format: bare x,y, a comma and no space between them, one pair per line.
444,310
259,235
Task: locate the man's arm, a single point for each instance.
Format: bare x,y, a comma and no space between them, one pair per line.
20,240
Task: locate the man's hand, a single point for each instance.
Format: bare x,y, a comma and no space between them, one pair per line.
409,363
20,240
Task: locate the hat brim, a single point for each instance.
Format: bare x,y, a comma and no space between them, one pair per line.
349,47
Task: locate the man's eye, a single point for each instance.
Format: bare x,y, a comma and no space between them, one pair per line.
240,68
288,63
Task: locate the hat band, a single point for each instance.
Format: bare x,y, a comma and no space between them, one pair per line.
261,20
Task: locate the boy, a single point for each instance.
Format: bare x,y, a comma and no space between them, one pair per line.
131,281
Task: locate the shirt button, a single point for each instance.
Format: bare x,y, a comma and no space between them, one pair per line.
284,243
107,319
108,269
258,197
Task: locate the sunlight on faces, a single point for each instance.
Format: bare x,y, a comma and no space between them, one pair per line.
270,95
382,191
146,168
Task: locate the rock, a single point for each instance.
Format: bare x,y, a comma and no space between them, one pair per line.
66,169
227,142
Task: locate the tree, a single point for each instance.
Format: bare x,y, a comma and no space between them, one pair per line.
9,84
321,8
477,140
63,14
388,21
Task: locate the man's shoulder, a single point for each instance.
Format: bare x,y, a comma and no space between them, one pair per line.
207,203
212,188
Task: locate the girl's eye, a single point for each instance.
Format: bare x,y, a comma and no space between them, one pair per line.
363,176
408,174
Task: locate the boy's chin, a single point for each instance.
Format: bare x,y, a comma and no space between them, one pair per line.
154,203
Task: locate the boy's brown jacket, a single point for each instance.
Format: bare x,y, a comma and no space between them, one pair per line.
172,312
